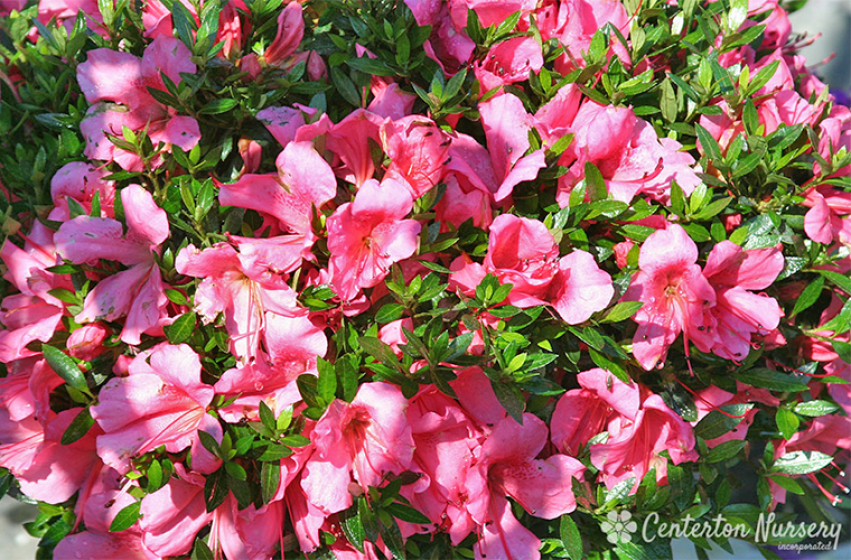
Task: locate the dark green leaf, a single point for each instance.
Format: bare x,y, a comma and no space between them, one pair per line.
66,368
407,513
181,329
125,518
78,427
571,539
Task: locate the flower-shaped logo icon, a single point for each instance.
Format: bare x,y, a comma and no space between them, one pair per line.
619,527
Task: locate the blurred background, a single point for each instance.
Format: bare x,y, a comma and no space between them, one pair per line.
831,19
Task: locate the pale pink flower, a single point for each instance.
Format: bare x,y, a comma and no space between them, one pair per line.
137,292
159,403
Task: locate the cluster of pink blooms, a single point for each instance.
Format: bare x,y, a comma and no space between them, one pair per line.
334,215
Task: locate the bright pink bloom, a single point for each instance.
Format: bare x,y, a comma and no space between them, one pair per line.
508,467
829,217
418,151
33,314
523,253
80,181
290,34
713,397
160,403
368,235
507,127
509,62
284,122
86,343
137,292
108,77
631,157
740,313
173,515
365,439
677,297
304,181
447,441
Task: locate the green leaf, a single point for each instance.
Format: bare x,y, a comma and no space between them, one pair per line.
389,312
787,422
715,424
840,280
176,297
155,476
353,529
270,480
801,462
788,483
724,451
510,399
371,66
737,15
181,329
210,444
809,296
816,408
347,374
770,379
201,551
621,311
594,183
65,368
125,518
327,382
709,144
78,427
571,539
407,513
218,106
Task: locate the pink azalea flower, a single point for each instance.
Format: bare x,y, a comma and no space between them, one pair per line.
33,314
418,150
634,447
368,235
304,180
137,292
290,34
80,181
246,287
447,442
507,127
45,469
677,297
640,427
740,313
829,217
508,467
713,398
365,439
523,253
110,77
631,157
160,403
284,122
509,62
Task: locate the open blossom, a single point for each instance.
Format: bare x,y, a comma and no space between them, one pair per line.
508,466
246,287
368,235
363,440
161,402
116,83
676,295
739,312
523,253
640,427
632,159
136,293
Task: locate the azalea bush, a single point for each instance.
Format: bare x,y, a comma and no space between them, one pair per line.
464,279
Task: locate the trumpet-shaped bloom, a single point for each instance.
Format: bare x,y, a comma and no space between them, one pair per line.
740,313
160,403
137,292
365,439
368,235
677,297
118,83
